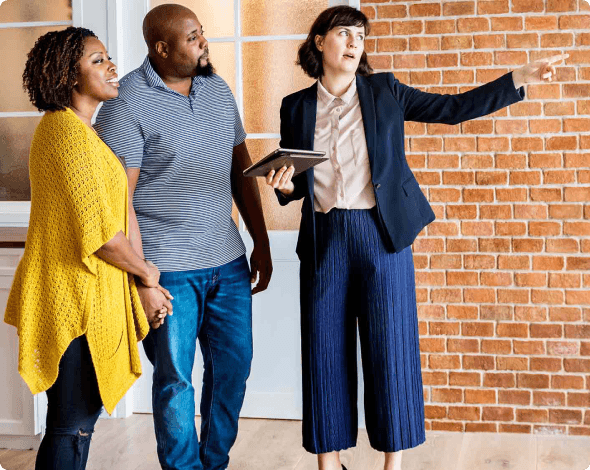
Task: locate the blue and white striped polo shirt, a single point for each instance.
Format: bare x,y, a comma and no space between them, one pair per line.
183,146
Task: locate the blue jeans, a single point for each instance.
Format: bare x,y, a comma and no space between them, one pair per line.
215,306
73,407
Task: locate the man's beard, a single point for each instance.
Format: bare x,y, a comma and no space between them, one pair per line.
205,70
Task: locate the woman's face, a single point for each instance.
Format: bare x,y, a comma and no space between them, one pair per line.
342,48
97,78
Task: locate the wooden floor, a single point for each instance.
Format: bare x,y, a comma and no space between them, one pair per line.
129,444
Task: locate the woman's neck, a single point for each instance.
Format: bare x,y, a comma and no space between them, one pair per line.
83,108
336,84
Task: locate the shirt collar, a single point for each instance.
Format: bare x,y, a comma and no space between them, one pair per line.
154,80
327,98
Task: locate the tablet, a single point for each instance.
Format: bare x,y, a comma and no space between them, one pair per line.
300,159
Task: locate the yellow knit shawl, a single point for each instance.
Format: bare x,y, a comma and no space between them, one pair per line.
61,290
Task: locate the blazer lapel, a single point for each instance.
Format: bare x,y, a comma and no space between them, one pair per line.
309,111
367,102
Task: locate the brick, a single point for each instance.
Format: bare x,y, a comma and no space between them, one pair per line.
464,379
462,312
515,428
559,176
543,91
530,279
565,314
445,195
447,395
559,108
513,161
471,24
565,416
557,40
496,279
444,328
446,296
392,45
514,397
476,59
425,44
544,229
430,278
429,245
529,347
473,295
531,211
510,228
530,245
478,362
565,211
456,76
522,41
577,194
542,398
510,296
461,211
445,261
458,8
492,7
527,109
565,280
576,365
544,429
460,144
522,313
510,58
494,244
527,143
500,380
578,399
580,229
577,331
479,262
425,9
435,412
380,62
568,382
443,228
440,26
576,90
512,363
498,413
533,380
575,263
562,348
432,345
546,364
527,6
528,178
442,60
538,23
532,415
506,23
562,245
465,413
540,330
477,329
496,312
431,312
459,43
493,144
561,5
511,195
581,160
392,11
434,377
545,160
411,61
447,426
478,194
463,345
496,346
481,427
573,297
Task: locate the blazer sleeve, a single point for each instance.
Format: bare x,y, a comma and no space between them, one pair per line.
452,109
287,141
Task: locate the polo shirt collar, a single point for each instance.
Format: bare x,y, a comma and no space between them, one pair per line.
154,80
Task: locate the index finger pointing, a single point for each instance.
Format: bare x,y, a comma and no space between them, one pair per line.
555,58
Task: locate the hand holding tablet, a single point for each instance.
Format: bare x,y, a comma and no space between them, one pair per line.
301,160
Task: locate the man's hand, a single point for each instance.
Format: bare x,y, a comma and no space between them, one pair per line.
260,267
156,304
541,71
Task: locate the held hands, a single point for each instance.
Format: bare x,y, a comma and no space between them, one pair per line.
156,304
540,71
281,179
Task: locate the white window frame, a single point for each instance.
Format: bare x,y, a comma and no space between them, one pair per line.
118,24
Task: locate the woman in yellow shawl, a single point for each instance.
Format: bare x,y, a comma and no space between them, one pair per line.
76,308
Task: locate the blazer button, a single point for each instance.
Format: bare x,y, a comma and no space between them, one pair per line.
377,186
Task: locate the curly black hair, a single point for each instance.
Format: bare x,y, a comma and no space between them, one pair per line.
310,58
52,68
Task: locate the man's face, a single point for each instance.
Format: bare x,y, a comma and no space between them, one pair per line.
189,51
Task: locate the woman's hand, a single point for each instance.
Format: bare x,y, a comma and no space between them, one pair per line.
156,304
281,180
540,71
152,276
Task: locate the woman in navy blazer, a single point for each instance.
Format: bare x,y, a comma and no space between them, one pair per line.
356,264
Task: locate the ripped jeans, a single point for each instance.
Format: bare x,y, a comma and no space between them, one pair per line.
74,406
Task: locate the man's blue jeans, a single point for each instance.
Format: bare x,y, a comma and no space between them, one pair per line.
212,305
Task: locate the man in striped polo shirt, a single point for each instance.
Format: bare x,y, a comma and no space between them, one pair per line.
177,126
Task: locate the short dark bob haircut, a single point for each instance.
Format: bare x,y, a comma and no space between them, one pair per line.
52,68
310,58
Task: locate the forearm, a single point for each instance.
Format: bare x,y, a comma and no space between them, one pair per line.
134,233
247,198
119,252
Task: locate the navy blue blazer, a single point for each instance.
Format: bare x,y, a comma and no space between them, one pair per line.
402,209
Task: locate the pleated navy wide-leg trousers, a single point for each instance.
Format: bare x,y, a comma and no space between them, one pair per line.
357,280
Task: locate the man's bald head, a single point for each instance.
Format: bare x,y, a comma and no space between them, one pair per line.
161,23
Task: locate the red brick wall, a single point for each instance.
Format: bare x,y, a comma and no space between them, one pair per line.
503,274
